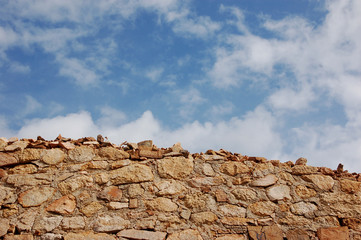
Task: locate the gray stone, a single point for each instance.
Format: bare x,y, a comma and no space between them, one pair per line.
279,192
47,224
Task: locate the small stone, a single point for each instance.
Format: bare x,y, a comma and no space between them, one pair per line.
237,221
73,223
207,157
110,222
13,139
297,234
67,145
161,204
146,145
133,203
111,193
36,196
4,226
7,159
304,170
3,173
23,169
18,145
204,218
63,205
51,236
53,156
25,221
231,237
221,196
245,194
169,187
151,154
301,161
302,208
19,237
273,232
279,192
177,147
120,163
233,210
265,181
206,181
70,185
135,190
88,236
47,224
92,208
131,174
350,186
305,192
117,205
175,167
186,214
111,153
339,233
322,182
263,208
208,170
81,154
234,168
3,143
188,234
30,154
142,234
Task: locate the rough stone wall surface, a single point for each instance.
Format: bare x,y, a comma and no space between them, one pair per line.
92,189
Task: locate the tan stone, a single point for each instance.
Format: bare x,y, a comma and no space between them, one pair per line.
111,193
279,192
92,208
221,196
339,233
67,145
206,181
322,182
135,190
102,177
131,174
237,221
73,223
169,187
352,223
350,186
303,208
265,181
18,145
263,208
175,167
52,156
233,210
303,170
145,145
245,194
95,165
196,201
297,234
47,224
301,161
51,236
207,157
110,222
35,196
117,205
305,192
288,178
188,234
232,237
204,218
161,204
111,153
7,159
23,169
70,185
234,168
25,221
3,173
142,234
63,205
120,163
3,143
341,204
4,226
30,154
88,236
29,179
133,203
262,169
273,232
81,154
151,154
19,237
7,195
208,170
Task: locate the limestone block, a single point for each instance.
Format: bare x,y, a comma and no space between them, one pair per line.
303,208
52,156
208,170
92,208
29,179
135,190
81,154
30,154
88,236
232,237
305,192
204,218
35,196
233,210
111,193
7,195
245,194
188,234
161,204
265,181
23,169
237,221
131,174
7,159
64,205
297,234
279,192
263,208
19,237
169,187
117,205
206,181
70,185
303,170
111,153
142,234
110,222
4,226
18,145
234,168
175,167
47,224
322,182
339,233
51,236
73,223
25,221
350,186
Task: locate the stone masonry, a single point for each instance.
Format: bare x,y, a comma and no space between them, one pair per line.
92,189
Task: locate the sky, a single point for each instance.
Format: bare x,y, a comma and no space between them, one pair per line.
279,79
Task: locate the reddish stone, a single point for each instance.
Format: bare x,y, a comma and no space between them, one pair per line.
273,232
111,193
3,173
297,234
339,233
63,205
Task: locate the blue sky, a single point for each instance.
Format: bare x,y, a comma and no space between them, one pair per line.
279,79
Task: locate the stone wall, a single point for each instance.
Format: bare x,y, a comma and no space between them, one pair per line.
92,189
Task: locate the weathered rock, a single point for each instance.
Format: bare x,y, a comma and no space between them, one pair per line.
265,181
73,223
262,169
304,170
3,143
232,237
263,208
352,223
29,180
302,208
142,234
234,168
4,226
339,233
208,170
81,154
221,196
25,221
175,167
169,187
145,145
111,222
151,154
120,163
88,236
297,234
161,204
204,218
70,185
19,237
273,232
322,182
47,224
67,145
207,157
18,145
131,174
301,161
245,194
7,195
237,221
35,196
233,211
52,156
23,169
135,190
350,186
117,205
206,181
196,201
7,159
188,234
279,192
305,192
111,193
51,236
110,153
92,208
63,205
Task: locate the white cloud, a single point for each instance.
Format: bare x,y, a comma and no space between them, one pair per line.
154,74
77,70
201,27
110,117
19,68
31,106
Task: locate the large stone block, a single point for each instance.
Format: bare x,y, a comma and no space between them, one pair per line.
188,234
161,204
265,181
88,236
321,181
142,234
234,168
52,156
36,196
64,205
339,233
110,222
7,159
279,192
131,174
175,167
81,154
